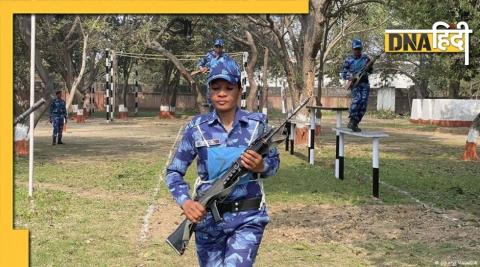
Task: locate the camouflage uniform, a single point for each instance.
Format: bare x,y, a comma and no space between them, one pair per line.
207,60
58,115
235,240
360,92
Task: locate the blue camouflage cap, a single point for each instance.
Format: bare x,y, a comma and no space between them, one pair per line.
219,42
224,68
356,43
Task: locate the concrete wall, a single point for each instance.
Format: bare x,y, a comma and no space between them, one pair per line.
386,99
445,112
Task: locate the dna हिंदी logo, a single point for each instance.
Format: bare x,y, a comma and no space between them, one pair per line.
442,38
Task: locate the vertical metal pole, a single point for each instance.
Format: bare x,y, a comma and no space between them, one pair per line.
112,86
283,97
340,156
292,138
107,84
136,92
287,140
337,155
311,136
244,79
32,102
375,166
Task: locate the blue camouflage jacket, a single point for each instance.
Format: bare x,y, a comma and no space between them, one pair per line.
192,146
57,108
205,61
353,65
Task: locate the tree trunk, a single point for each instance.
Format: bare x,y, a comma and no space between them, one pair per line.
251,71
49,89
126,74
200,99
173,89
453,88
264,102
77,80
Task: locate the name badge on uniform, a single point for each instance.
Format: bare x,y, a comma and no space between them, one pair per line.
211,142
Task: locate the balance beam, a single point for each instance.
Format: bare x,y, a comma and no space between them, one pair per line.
339,164
313,124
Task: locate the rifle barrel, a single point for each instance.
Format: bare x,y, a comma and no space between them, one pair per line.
35,106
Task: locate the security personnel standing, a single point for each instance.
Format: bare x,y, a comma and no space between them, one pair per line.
352,65
205,63
217,139
58,115
215,54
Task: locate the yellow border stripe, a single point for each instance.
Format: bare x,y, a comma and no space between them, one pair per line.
14,243
160,7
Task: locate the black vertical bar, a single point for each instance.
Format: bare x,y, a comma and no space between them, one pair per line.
376,180
337,146
287,140
292,141
340,167
107,85
312,143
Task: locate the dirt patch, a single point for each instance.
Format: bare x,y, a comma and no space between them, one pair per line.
97,140
165,219
349,224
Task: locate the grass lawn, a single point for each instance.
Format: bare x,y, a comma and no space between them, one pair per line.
92,194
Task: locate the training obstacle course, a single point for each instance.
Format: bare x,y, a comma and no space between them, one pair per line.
313,123
375,136
340,133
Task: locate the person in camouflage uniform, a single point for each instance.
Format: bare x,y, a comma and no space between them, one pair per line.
57,117
352,65
204,64
217,139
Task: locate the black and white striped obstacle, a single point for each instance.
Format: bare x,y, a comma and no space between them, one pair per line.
108,86
339,170
244,79
290,142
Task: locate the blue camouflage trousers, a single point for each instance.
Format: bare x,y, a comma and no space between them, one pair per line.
234,241
359,102
57,123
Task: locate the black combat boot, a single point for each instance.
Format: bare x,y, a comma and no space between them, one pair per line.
60,139
355,128
54,140
353,125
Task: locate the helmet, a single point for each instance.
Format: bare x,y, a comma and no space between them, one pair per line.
224,68
219,42
356,43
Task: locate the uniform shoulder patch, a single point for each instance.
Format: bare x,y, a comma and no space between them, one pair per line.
197,120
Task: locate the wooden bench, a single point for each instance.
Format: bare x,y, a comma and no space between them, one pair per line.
339,161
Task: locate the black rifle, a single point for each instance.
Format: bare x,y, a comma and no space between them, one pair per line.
223,186
25,114
361,73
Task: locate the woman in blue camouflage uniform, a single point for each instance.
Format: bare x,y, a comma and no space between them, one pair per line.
352,65
217,139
